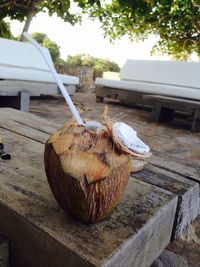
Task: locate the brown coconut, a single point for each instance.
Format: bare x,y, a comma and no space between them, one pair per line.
86,171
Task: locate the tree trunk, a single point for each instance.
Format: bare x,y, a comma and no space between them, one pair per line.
27,24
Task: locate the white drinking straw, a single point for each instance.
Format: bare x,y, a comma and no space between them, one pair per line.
47,57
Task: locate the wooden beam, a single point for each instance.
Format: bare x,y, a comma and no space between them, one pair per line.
162,114
126,96
188,193
21,101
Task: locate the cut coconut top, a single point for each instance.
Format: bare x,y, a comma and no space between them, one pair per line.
127,136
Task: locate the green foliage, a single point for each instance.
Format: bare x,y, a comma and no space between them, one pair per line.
15,9
74,61
20,9
39,37
97,64
54,49
176,22
5,30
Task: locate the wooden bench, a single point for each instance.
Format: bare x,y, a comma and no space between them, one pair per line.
165,107
24,73
157,206
167,79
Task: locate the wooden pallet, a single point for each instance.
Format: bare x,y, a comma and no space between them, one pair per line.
164,108
157,206
126,96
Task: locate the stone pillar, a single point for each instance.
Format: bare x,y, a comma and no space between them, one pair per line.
85,75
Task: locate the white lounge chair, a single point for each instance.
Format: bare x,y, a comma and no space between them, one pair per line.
24,73
166,85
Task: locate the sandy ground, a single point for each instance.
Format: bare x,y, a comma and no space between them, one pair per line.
172,139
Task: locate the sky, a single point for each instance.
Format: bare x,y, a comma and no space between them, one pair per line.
87,38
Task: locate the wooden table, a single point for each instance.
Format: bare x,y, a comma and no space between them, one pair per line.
157,206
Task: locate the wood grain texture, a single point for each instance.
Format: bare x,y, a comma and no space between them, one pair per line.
139,228
187,191
28,119
12,87
120,94
30,214
186,169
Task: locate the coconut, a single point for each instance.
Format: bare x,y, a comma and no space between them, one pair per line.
126,139
87,172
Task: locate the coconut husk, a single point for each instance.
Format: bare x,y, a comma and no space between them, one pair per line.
86,171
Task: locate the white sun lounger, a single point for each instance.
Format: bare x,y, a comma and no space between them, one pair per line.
24,73
142,81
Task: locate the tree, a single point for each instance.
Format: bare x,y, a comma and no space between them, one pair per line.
39,37
5,30
176,22
98,64
27,9
53,48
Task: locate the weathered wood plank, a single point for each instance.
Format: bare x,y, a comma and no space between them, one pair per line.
176,165
187,191
4,251
169,171
120,94
162,114
169,258
134,235
22,129
30,119
12,87
37,125
174,103
182,167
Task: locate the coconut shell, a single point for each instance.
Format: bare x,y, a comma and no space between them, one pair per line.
137,165
86,172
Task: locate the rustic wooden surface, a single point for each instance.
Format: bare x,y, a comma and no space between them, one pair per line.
164,172
170,154
137,231
186,190
178,146
172,174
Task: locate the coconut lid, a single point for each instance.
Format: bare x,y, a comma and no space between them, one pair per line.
127,137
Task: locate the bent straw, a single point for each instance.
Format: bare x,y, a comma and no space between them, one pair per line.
47,57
